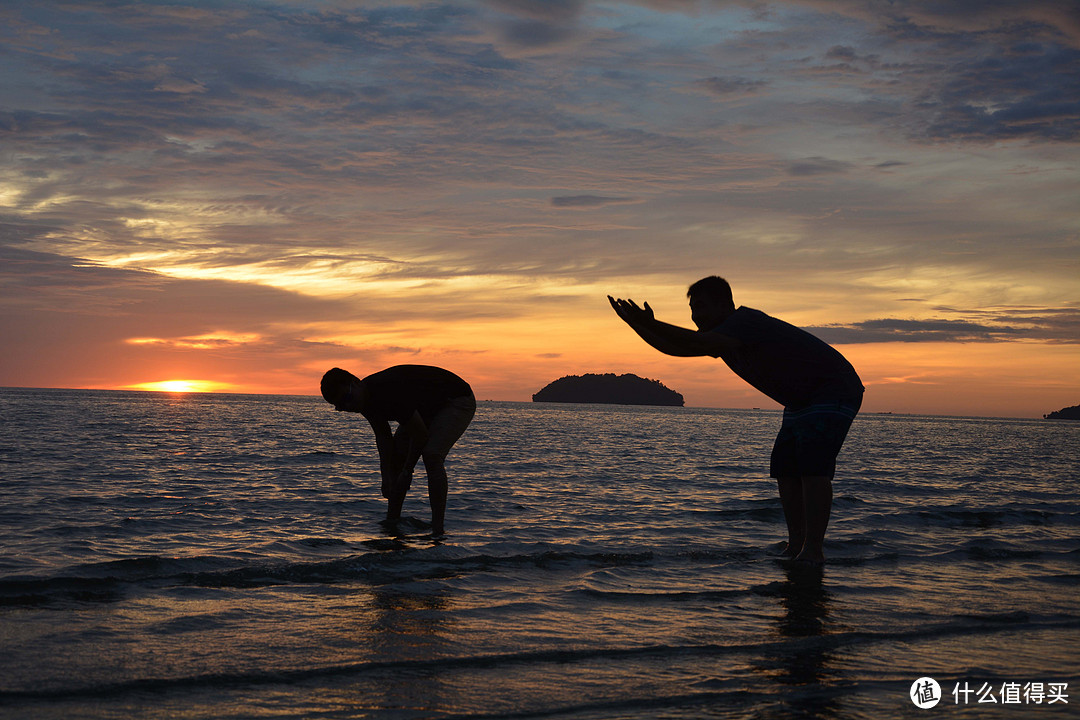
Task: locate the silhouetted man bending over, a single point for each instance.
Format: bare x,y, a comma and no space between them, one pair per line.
819,389
432,407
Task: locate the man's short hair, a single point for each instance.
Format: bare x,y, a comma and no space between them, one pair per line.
713,287
333,382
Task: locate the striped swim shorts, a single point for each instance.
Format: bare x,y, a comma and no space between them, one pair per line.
810,438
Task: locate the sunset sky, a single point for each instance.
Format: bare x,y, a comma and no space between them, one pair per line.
244,193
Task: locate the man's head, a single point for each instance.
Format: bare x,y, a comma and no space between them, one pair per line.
710,302
341,389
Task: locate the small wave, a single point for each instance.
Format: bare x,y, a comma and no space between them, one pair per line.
985,518
886,557
315,457
1016,617
976,518
666,596
733,700
982,552
766,511
656,654
35,593
146,566
192,623
99,582
720,555
392,561
1070,579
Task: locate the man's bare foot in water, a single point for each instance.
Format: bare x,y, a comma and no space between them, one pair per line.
811,556
785,550
793,548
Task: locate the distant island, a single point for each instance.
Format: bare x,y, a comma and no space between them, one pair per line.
1069,413
609,388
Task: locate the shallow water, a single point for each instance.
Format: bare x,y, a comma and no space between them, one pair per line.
214,556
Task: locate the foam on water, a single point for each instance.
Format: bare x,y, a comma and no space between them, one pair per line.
221,556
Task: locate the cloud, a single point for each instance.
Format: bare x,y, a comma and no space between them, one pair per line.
966,17
587,201
729,86
1052,325
34,282
531,25
958,72
842,52
992,71
817,166
1029,90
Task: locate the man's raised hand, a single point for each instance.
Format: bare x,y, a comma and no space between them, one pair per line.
629,311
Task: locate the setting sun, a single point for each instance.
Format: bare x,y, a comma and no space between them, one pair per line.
181,386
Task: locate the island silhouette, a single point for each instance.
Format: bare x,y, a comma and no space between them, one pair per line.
1069,413
609,388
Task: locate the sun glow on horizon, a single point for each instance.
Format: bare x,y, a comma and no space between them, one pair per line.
181,386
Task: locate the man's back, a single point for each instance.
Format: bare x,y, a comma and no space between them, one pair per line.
790,365
398,391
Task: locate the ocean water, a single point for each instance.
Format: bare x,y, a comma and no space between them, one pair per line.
221,556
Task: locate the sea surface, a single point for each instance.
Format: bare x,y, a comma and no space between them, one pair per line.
221,556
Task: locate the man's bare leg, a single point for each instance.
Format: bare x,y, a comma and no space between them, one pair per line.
791,498
398,490
817,507
397,460
437,490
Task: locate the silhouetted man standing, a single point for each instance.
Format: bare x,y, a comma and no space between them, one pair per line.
819,389
432,407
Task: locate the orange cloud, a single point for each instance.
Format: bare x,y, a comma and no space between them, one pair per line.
208,341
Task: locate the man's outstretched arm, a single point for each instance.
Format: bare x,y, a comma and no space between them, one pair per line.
671,339
389,460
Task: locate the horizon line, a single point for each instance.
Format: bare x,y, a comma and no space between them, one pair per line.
523,402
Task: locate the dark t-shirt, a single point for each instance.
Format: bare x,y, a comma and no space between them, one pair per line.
397,392
788,364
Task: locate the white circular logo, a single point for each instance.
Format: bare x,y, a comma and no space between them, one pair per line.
925,693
